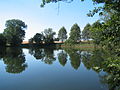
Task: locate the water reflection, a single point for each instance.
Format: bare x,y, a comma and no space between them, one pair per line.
97,60
93,60
38,53
107,61
46,55
14,59
62,57
75,57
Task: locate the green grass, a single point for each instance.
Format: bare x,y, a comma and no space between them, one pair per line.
80,46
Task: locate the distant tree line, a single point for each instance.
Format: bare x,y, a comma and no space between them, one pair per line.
14,34
75,35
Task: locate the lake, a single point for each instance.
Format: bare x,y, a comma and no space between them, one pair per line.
51,69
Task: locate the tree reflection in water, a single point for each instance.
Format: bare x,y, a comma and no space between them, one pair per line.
62,57
14,59
46,55
38,53
97,60
107,61
75,57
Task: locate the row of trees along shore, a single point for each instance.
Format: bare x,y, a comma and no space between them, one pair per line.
14,34
105,32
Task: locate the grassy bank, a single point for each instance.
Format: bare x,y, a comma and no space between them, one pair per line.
80,46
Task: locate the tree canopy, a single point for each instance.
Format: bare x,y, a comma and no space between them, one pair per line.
38,38
75,33
86,33
48,35
62,34
14,32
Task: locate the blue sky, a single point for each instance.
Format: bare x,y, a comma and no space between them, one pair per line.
39,19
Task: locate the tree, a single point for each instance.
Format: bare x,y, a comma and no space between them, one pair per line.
14,32
38,38
96,32
62,57
75,34
48,36
31,41
86,33
111,31
62,34
2,40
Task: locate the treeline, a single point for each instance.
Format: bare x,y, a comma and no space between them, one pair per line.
14,34
101,33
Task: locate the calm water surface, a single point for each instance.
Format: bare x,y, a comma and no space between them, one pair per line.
49,69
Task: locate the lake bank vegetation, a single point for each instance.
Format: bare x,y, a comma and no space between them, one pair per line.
104,33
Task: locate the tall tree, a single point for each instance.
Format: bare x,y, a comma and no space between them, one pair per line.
75,34
38,38
62,34
86,33
14,32
48,35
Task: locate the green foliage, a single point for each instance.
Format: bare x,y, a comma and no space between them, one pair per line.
111,31
37,52
75,34
96,32
14,60
75,57
107,33
69,42
62,57
48,36
62,34
38,38
49,56
2,40
14,32
86,33
46,55
107,61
